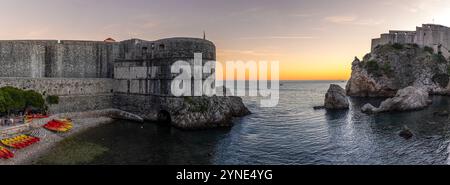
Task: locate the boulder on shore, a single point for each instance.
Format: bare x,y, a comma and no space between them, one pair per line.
336,98
409,98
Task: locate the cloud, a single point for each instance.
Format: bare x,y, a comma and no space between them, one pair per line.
340,19
248,11
149,24
302,15
416,6
226,52
353,20
277,37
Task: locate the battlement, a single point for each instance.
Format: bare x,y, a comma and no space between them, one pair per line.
430,35
91,59
402,32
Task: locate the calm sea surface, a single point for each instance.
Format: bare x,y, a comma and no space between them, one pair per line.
291,133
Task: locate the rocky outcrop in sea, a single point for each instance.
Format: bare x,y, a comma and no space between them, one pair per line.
336,98
410,98
190,112
206,112
390,68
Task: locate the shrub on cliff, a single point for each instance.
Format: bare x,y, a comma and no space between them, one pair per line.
397,46
439,58
428,49
197,105
373,68
386,68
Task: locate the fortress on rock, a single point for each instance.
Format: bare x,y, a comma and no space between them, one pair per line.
132,75
431,35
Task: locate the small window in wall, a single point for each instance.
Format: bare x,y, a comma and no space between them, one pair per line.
144,49
162,46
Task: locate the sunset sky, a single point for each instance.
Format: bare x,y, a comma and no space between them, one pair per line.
312,39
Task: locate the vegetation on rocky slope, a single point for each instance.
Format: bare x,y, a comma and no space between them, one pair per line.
198,105
379,68
389,68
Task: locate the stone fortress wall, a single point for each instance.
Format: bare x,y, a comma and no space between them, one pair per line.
132,75
431,35
57,59
144,67
143,73
75,94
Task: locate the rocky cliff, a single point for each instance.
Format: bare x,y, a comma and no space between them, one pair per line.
390,68
184,112
205,112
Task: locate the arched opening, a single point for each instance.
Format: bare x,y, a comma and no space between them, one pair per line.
164,117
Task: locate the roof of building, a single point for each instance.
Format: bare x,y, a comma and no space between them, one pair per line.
110,40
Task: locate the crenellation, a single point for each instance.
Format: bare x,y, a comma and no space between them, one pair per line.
430,35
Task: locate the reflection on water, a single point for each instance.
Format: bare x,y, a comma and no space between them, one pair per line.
292,133
134,143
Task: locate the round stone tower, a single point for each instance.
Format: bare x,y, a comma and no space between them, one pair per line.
179,47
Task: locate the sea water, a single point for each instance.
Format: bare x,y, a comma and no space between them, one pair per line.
291,133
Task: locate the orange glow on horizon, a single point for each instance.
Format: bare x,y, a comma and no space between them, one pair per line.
293,67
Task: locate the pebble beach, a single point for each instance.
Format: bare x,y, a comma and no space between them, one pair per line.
82,121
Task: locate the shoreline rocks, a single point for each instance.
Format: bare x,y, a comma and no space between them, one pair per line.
388,69
406,133
407,99
319,107
189,112
206,112
335,98
443,113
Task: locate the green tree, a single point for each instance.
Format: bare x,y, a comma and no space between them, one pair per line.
52,99
34,99
17,96
6,102
13,100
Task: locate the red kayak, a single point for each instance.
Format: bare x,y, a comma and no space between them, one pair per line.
58,125
20,142
5,153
